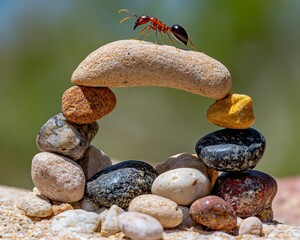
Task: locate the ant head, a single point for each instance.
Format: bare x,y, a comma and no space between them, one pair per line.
141,20
180,33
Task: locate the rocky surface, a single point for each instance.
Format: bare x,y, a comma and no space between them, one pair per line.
14,225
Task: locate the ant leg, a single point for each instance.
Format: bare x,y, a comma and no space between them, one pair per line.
161,38
141,32
192,45
148,32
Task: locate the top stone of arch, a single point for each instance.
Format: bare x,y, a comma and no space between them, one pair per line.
131,63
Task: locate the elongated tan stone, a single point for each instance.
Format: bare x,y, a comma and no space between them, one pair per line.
131,63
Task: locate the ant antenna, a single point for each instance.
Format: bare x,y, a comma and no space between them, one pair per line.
130,16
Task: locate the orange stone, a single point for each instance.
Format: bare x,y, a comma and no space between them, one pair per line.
234,111
84,105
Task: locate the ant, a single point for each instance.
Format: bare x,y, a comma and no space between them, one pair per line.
177,31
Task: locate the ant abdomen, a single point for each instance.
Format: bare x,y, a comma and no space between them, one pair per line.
180,33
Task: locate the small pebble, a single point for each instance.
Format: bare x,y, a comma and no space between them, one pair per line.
75,221
93,161
57,209
248,193
163,209
109,223
129,63
182,160
139,226
58,135
251,225
182,185
234,111
34,205
213,212
57,177
120,183
231,150
187,221
84,105
87,205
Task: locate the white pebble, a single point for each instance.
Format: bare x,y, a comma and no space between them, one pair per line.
34,205
109,224
251,225
139,226
182,185
75,221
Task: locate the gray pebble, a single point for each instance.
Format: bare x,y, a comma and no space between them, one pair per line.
58,135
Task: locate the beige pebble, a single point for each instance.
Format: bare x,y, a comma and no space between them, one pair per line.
93,161
139,226
109,223
84,105
130,63
182,185
34,205
57,177
164,210
234,111
59,208
251,225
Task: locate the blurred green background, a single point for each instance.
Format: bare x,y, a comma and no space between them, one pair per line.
43,41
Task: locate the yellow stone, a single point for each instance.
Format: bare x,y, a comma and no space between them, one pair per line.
234,111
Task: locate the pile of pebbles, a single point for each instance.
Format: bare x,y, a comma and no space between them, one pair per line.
81,191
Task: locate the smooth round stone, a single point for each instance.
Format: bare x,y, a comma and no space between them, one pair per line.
84,105
120,183
93,161
163,209
234,111
130,63
249,193
251,225
34,205
182,185
139,226
213,212
57,177
58,135
231,150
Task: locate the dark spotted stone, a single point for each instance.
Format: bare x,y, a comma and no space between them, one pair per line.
120,183
231,150
249,194
60,136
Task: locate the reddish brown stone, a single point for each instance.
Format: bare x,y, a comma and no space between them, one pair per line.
213,212
249,194
84,105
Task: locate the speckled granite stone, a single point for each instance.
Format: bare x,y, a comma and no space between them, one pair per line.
58,135
120,183
231,150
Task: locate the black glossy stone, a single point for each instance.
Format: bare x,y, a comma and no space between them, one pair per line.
120,183
231,150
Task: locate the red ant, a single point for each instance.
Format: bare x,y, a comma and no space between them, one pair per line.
177,31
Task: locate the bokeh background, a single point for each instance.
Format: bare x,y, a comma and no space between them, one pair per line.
43,41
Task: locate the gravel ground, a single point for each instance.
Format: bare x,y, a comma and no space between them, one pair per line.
14,225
